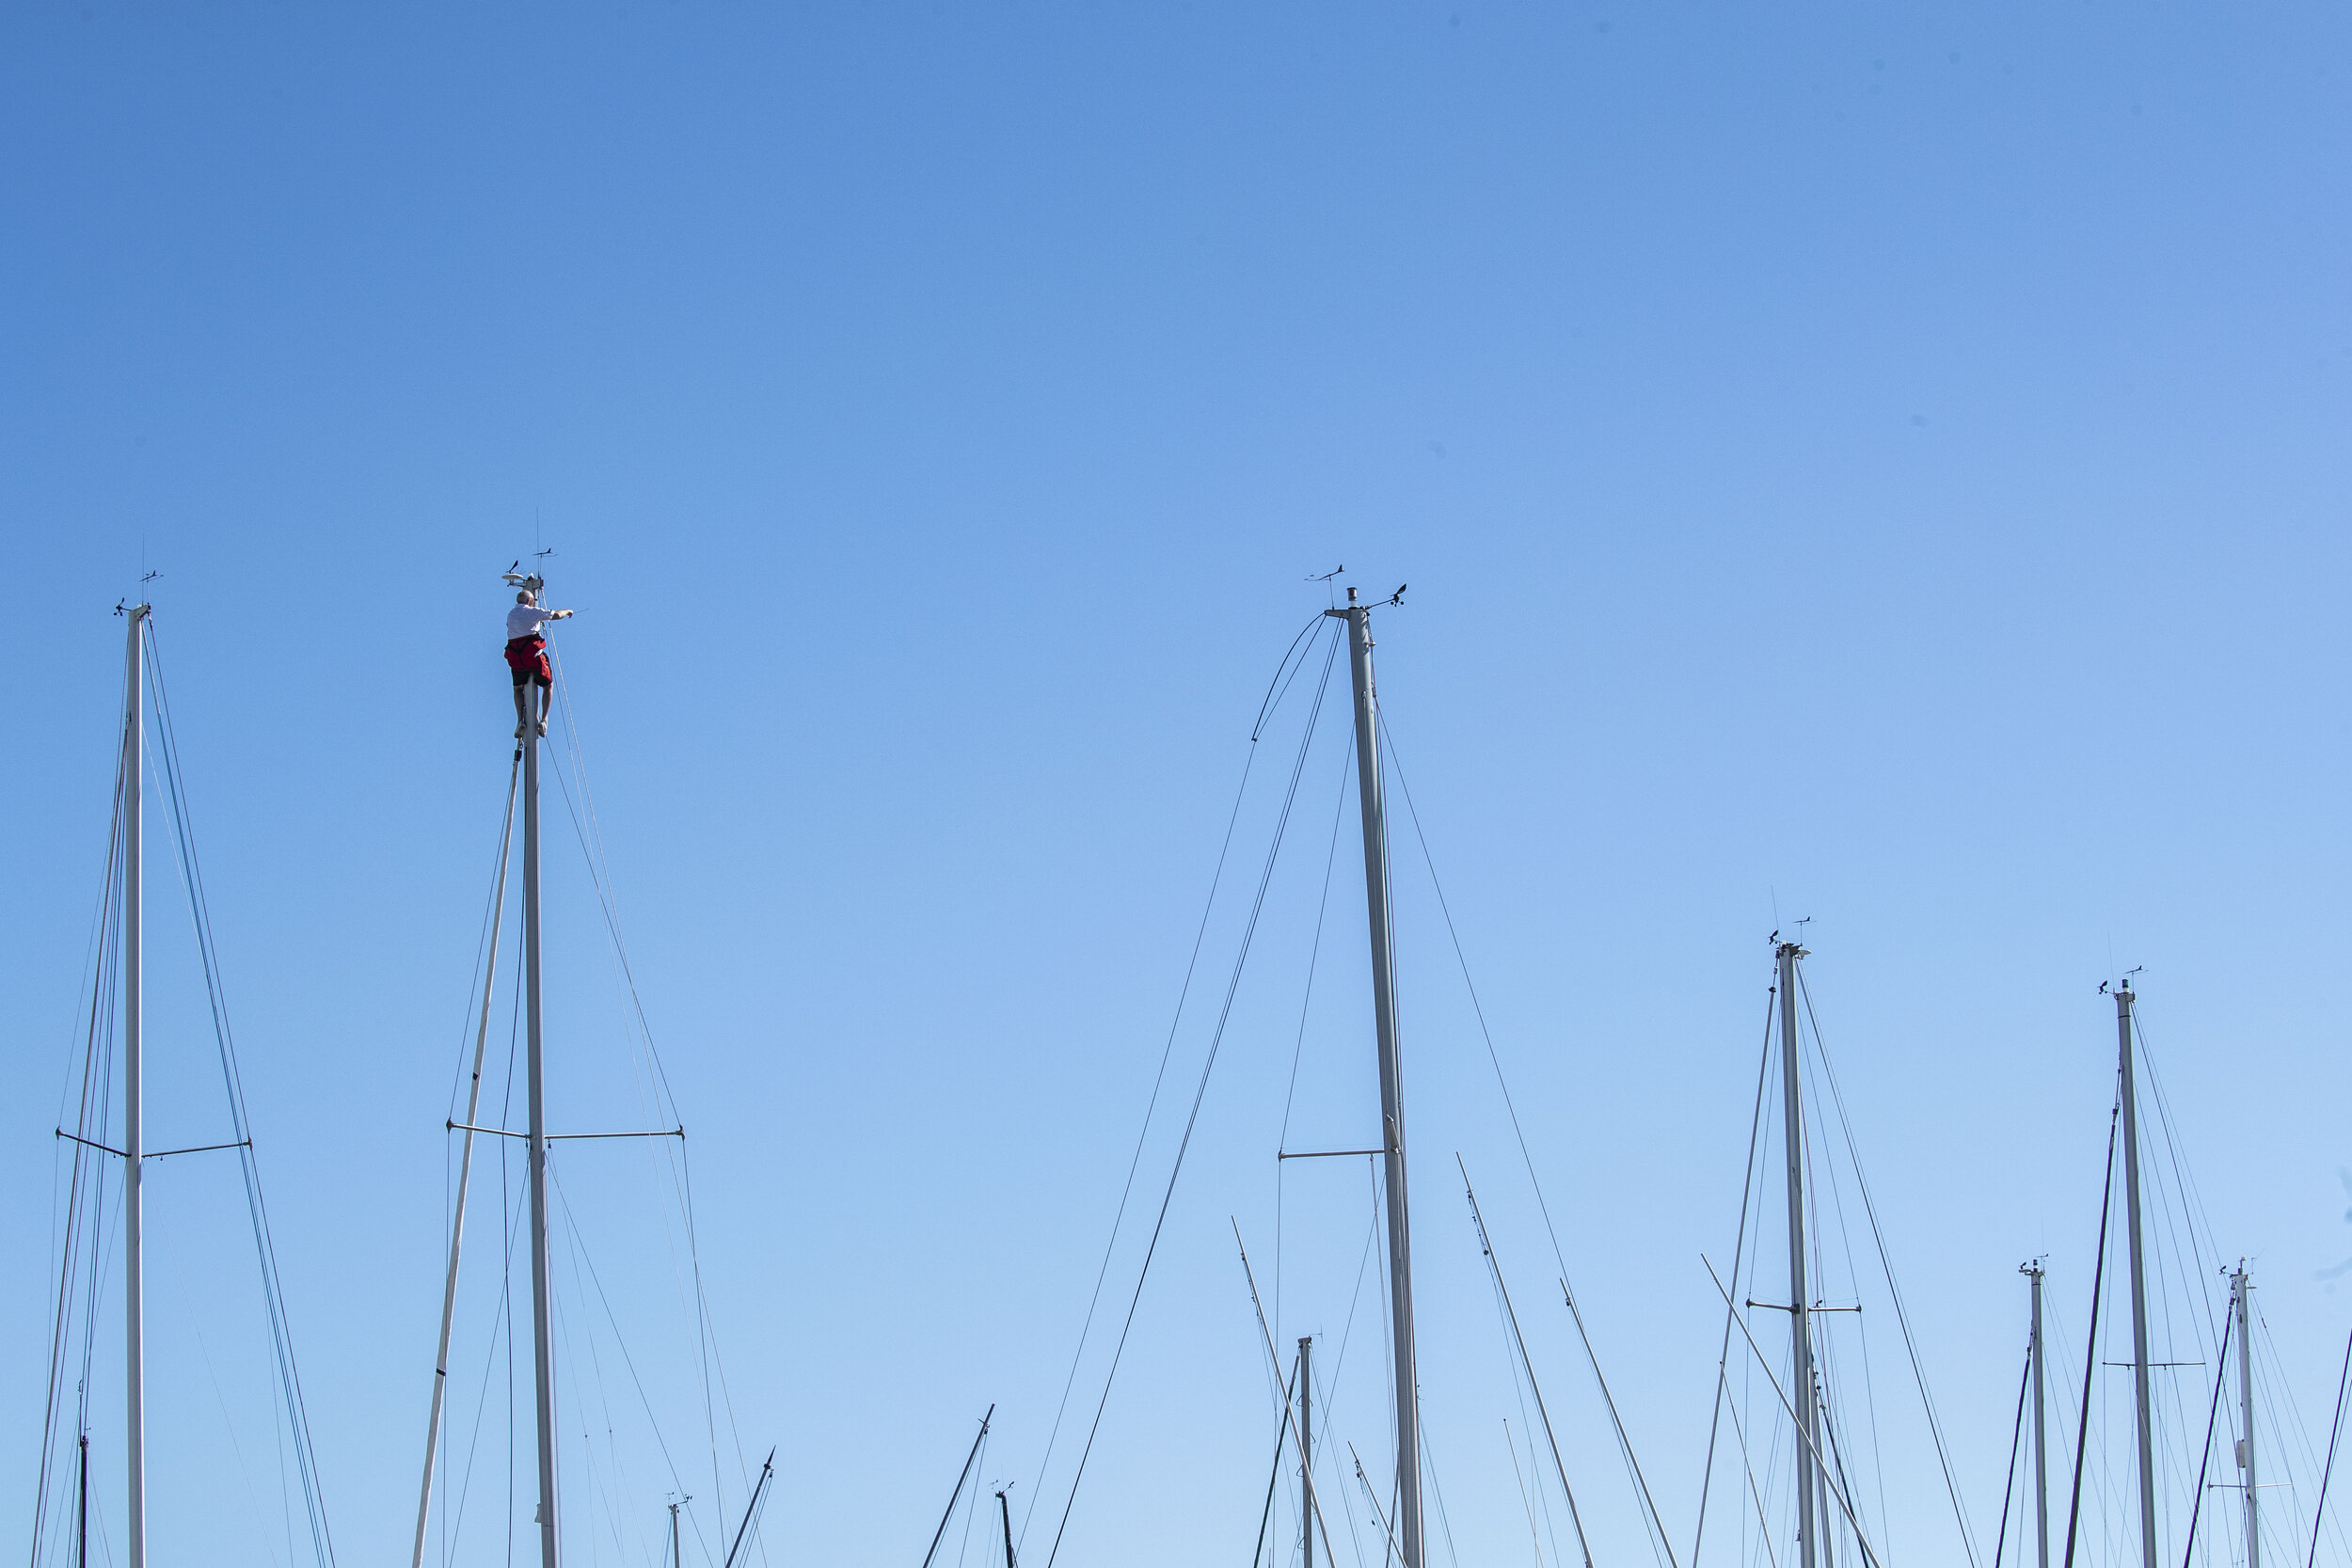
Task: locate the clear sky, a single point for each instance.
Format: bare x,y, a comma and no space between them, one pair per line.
1879,464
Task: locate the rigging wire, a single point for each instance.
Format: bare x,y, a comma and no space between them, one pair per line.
2335,1430
2016,1439
501,1325
2090,1345
1216,1040
1902,1318
1298,1040
1183,993
664,1099
1510,1319
2213,1414
675,1161
1756,1123
1656,1524
273,1290
84,1175
2277,1386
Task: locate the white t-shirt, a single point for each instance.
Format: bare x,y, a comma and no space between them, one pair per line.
524,619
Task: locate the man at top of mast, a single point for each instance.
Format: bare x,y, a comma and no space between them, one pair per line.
527,656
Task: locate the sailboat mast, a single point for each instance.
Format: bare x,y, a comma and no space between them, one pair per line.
1802,1394
2244,1290
2040,1445
1306,1449
542,1307
2124,1000
1367,794
465,1176
133,1088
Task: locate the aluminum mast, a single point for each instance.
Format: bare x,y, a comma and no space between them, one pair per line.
2140,1279
1306,1449
1369,797
2034,1351
134,1090
542,1307
1803,1396
2242,1289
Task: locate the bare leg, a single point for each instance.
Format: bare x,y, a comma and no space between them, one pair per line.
523,708
547,701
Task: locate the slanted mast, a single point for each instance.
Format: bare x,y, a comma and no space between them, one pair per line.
1367,793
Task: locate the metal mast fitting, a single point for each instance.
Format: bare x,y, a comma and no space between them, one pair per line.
1369,796
1804,1397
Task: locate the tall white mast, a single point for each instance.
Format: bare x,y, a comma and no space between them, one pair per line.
2139,1280
465,1176
542,1307
134,1107
1802,1394
1368,795
2242,1289
2041,1447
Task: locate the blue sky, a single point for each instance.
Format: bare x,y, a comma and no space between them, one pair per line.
1882,465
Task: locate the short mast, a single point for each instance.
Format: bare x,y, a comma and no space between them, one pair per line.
542,1307
133,1089
1367,793
2124,1000
2242,1289
1802,1395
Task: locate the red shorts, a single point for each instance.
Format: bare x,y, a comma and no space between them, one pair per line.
528,657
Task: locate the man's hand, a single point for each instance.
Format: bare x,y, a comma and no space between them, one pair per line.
559,615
